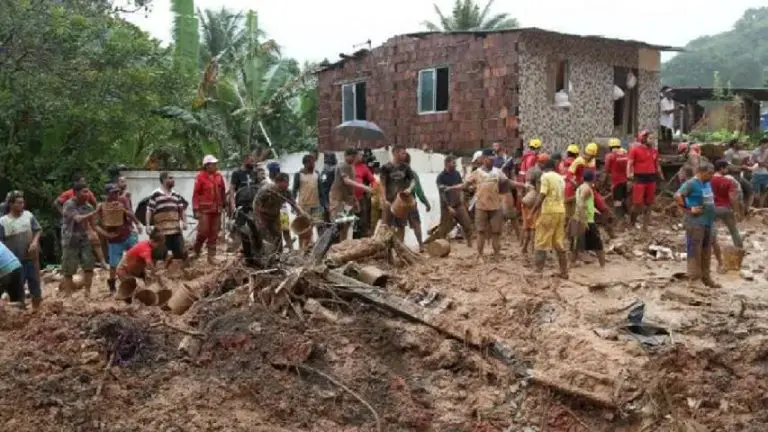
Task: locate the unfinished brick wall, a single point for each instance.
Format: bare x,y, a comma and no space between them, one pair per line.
591,73
482,83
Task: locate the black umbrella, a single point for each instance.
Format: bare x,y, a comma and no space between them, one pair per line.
360,130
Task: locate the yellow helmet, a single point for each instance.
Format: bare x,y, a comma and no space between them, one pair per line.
614,142
535,143
591,149
573,148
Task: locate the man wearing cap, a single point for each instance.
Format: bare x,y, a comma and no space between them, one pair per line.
585,162
616,170
208,203
117,219
643,170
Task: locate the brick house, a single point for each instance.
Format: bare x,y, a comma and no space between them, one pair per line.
457,92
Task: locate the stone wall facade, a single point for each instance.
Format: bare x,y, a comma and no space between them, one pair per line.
498,90
482,92
591,76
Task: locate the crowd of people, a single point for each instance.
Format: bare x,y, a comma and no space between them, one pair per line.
551,202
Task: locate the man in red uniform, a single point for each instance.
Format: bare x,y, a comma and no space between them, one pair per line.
616,170
571,153
643,170
208,202
529,158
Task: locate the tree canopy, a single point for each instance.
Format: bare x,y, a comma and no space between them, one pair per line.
467,15
740,55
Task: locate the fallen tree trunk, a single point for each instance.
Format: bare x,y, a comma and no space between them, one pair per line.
381,243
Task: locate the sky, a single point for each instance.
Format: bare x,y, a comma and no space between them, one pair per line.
317,29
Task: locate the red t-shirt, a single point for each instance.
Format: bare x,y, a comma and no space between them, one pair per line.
616,166
137,257
363,175
643,159
722,188
570,189
69,194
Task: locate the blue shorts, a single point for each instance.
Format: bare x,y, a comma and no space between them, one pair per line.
116,250
759,182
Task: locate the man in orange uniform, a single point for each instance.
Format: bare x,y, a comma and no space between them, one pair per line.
616,170
529,158
643,170
208,202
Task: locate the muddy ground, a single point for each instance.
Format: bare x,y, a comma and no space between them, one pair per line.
363,369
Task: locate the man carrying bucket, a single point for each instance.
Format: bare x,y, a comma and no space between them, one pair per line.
136,263
399,180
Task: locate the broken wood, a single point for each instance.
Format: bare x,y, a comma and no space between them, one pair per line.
430,317
383,242
317,310
544,379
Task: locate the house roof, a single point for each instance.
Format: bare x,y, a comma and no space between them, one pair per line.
682,94
638,44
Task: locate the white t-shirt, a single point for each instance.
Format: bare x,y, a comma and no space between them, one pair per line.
667,120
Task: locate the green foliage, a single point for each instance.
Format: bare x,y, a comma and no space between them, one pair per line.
467,15
186,39
740,55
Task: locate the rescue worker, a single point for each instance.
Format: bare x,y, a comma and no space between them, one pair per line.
208,204
616,173
305,191
529,158
584,162
571,153
643,170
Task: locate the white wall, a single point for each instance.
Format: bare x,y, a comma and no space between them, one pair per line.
426,165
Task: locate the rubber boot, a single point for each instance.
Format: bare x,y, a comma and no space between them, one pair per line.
112,284
539,258
562,261
212,254
87,283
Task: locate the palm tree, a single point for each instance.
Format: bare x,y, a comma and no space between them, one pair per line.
467,16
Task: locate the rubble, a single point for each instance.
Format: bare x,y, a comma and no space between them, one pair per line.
438,345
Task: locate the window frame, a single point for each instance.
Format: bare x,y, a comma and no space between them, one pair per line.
354,100
434,92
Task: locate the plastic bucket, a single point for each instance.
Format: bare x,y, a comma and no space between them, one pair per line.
403,205
146,296
181,300
301,224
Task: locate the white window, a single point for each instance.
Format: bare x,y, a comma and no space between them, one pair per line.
353,101
433,90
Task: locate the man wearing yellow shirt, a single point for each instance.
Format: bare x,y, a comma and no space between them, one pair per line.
550,226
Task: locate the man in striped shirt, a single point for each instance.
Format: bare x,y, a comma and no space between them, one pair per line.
166,213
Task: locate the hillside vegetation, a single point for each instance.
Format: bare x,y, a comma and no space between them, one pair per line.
740,55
